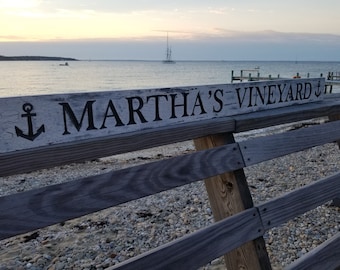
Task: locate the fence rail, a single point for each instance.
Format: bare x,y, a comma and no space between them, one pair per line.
219,161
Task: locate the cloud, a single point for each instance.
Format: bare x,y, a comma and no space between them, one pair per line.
265,36
221,44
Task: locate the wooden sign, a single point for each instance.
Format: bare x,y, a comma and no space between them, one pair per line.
32,121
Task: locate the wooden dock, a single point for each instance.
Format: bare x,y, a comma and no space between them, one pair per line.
250,75
333,78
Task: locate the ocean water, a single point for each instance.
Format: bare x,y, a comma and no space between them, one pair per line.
20,78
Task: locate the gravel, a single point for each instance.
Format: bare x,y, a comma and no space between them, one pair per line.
113,235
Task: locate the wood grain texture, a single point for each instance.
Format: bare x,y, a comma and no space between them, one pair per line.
28,122
325,256
268,147
70,117
229,194
299,201
201,247
24,212
38,208
335,117
330,105
77,151
188,256
59,154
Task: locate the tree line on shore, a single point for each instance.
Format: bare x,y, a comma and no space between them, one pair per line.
35,58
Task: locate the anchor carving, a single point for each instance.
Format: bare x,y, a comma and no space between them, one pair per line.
28,108
318,92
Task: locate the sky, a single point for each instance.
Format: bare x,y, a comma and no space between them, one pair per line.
292,30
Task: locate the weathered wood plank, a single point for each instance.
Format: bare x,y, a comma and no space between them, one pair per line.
201,247
34,209
38,208
35,121
59,154
325,256
299,201
229,194
329,106
268,147
335,117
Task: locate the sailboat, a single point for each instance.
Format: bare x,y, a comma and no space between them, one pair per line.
168,59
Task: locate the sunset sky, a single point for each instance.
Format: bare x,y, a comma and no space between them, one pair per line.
198,30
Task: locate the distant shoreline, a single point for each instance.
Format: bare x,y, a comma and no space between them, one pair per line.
35,58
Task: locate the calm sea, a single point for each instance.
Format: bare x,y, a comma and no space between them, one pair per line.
44,77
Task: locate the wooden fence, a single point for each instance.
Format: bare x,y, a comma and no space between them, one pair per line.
219,161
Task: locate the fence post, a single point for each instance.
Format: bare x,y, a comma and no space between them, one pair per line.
229,194
336,201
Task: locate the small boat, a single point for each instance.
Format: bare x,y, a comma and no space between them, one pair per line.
297,76
64,65
168,59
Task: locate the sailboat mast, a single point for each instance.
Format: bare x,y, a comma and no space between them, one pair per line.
168,51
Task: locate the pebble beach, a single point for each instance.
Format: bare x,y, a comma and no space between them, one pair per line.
108,237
